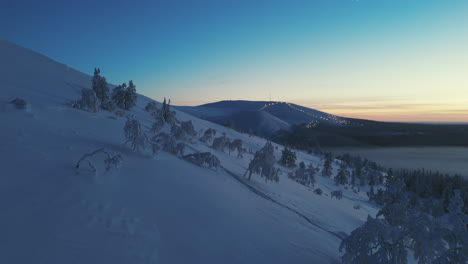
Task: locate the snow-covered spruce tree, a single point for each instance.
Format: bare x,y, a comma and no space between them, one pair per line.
100,87
311,171
263,164
208,136
327,165
88,101
135,134
288,158
166,109
341,177
457,237
375,242
131,96
118,95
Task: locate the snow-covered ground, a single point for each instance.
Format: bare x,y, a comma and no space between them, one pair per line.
158,209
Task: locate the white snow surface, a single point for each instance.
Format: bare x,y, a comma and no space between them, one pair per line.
158,209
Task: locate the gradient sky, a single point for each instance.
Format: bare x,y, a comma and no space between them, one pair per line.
404,60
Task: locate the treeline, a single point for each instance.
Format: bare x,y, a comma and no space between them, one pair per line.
372,133
432,185
424,212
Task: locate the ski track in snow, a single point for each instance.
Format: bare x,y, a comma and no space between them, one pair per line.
269,198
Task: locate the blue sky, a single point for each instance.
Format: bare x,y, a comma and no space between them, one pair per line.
379,59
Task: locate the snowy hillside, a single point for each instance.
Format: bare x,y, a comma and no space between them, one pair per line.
280,115
159,209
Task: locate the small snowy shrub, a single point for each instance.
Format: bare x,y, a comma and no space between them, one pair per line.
337,194
221,143
111,161
153,110
88,101
157,126
208,135
236,144
205,159
318,191
165,142
135,134
184,132
19,103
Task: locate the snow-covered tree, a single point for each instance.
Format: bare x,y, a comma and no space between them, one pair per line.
236,144
135,134
263,164
327,165
318,191
288,158
153,109
118,95
166,142
341,177
208,136
166,111
125,97
131,96
457,237
157,126
184,132
100,87
375,242
88,101
221,143
303,175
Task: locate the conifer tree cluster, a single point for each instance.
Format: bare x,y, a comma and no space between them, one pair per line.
124,96
304,175
411,221
99,96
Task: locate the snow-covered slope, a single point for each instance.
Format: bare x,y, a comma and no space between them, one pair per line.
280,115
151,210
